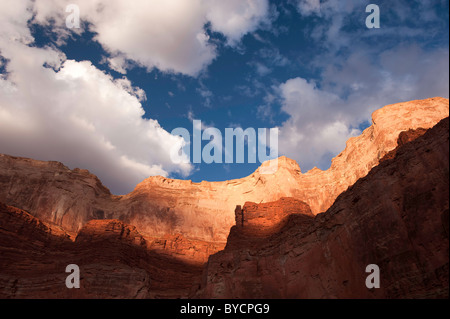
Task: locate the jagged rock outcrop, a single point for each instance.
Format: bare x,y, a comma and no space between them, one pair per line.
396,217
175,214
113,259
266,218
256,223
403,138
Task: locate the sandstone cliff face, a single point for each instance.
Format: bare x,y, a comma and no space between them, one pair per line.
396,217
110,230
261,220
152,242
174,215
113,258
54,193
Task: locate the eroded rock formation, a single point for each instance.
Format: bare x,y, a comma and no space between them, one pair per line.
152,242
396,217
113,258
202,213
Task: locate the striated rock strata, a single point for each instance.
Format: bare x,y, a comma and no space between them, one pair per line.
192,220
396,217
113,258
152,242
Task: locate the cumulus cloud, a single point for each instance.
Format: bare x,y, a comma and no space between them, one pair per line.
82,117
169,35
360,70
52,108
308,7
317,126
323,117
235,18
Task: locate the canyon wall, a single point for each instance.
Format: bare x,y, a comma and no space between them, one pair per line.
383,201
113,259
396,217
186,218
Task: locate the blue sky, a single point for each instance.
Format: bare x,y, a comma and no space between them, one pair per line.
311,68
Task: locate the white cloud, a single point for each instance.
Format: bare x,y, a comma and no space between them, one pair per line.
168,35
57,109
117,63
308,7
14,15
316,127
261,69
323,118
84,118
361,70
235,18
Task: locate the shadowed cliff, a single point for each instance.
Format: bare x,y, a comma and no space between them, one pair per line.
396,217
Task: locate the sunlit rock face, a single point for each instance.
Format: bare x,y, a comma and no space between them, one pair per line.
154,241
204,212
390,218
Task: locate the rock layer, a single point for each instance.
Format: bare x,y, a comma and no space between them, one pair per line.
396,217
174,214
113,259
266,218
152,242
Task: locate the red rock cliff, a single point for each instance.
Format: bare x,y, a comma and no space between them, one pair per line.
113,258
396,217
152,242
174,214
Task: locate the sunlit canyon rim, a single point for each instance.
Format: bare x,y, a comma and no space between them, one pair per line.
284,235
